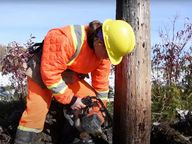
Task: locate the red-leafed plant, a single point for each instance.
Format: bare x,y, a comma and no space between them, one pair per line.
172,70
172,54
13,64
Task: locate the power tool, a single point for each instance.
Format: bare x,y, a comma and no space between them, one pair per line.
89,125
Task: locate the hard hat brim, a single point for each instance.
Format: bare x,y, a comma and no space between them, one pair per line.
114,59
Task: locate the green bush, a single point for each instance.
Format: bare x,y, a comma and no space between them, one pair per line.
165,100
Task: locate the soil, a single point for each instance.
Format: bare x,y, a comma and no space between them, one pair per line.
58,131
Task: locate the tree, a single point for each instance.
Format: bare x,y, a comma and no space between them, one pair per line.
172,71
172,54
132,106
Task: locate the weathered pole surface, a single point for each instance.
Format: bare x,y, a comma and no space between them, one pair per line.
132,106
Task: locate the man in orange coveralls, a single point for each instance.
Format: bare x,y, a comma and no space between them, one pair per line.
68,52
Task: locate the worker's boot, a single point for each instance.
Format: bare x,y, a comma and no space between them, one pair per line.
25,137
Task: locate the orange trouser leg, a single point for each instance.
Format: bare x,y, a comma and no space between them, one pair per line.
38,103
79,89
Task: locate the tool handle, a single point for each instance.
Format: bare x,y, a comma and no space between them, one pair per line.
87,101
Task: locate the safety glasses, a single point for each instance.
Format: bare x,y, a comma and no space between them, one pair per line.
100,35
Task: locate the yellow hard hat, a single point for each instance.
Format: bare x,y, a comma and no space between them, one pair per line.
119,39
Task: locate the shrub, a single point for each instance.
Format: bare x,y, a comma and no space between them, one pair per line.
14,63
172,72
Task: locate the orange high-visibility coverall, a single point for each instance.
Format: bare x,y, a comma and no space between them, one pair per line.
64,48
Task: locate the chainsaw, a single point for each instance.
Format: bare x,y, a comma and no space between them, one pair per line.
90,126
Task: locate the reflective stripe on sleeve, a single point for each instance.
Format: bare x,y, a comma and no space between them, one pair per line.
78,34
58,88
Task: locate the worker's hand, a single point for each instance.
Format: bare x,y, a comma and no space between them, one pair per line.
77,105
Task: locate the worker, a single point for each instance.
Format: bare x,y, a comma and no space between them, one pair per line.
68,54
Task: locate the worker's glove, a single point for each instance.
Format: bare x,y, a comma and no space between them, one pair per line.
76,103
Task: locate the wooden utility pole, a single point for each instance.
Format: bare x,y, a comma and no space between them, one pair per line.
132,106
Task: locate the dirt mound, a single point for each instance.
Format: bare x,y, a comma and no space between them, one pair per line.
58,131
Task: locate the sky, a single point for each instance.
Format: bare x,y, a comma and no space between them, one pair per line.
21,18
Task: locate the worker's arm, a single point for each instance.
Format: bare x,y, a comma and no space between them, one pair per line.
57,50
100,79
